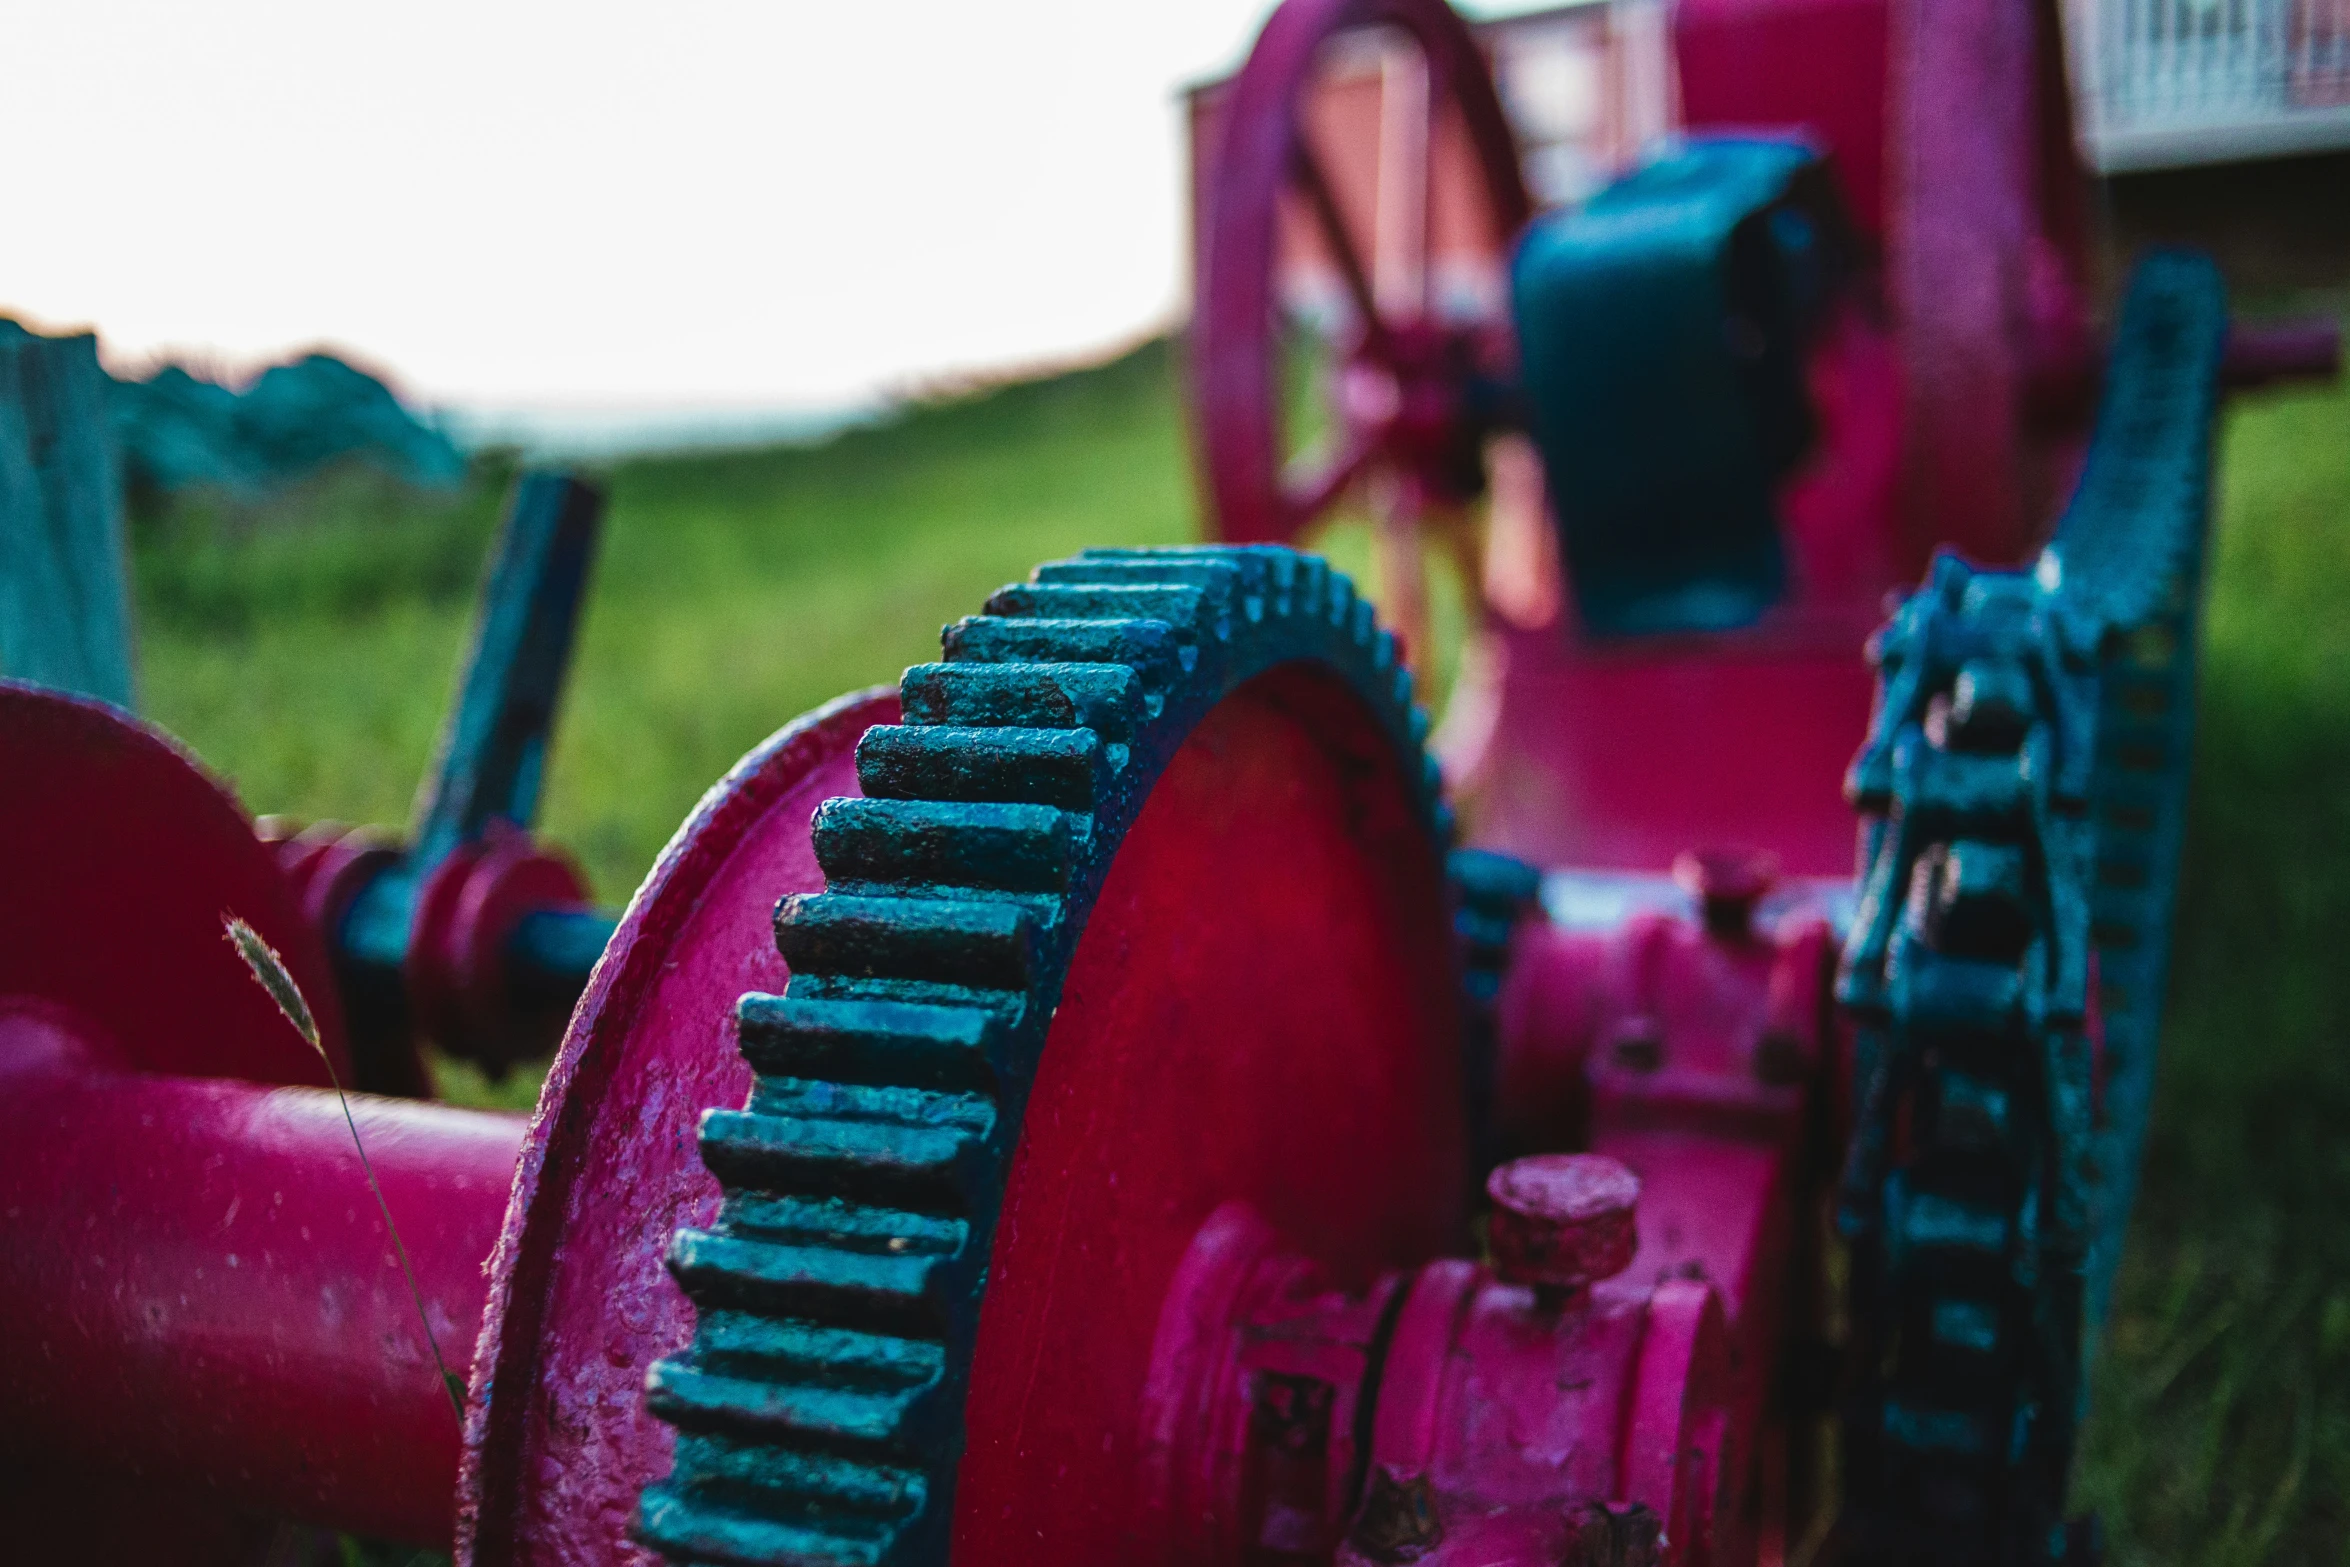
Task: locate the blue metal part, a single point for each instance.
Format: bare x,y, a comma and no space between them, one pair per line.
1661,331
492,756
553,950
64,578
1491,895
864,1177
2024,783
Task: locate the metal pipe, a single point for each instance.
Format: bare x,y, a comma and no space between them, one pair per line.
197,1287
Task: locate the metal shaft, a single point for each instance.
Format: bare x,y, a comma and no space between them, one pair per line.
197,1286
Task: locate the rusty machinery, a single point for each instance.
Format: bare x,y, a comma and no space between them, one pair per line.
1091,1101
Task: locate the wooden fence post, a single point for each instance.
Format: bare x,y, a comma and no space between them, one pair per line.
64,574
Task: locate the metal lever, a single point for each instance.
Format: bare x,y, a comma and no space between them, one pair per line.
475,935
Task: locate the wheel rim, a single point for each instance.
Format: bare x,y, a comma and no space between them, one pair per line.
559,1443
1413,427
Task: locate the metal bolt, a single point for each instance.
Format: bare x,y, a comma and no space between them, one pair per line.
1727,884
1561,1222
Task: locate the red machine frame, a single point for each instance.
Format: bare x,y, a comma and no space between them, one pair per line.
1235,1263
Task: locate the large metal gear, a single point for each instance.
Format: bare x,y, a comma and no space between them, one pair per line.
1061,783
2026,783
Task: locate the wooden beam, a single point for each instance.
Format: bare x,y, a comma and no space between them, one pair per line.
64,576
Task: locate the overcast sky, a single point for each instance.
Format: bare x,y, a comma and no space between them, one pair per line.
698,202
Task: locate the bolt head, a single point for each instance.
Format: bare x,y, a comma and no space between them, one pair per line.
1562,1221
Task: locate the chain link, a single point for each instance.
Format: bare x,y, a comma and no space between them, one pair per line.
2022,786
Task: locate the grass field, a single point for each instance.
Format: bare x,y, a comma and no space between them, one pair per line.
307,650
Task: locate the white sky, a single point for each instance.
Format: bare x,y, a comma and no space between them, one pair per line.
688,205
696,203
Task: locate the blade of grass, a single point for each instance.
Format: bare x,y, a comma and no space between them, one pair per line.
269,970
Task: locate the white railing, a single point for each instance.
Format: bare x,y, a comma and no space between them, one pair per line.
2169,82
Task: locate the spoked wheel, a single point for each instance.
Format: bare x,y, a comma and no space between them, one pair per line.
1353,329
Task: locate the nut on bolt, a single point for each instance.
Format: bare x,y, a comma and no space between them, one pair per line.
1562,1222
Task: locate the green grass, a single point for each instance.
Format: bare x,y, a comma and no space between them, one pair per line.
2220,1425
306,650
311,663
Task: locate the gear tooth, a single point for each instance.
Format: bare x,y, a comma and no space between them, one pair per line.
1158,551
726,1273
1229,583
1362,624
902,1104
1300,583
1338,599
1284,570
694,1399
1008,847
926,1168
872,1041
802,1219
1213,574
689,1526
872,1487
740,1343
1498,884
990,946
1063,767
1106,698
1485,934
1152,648
1191,609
